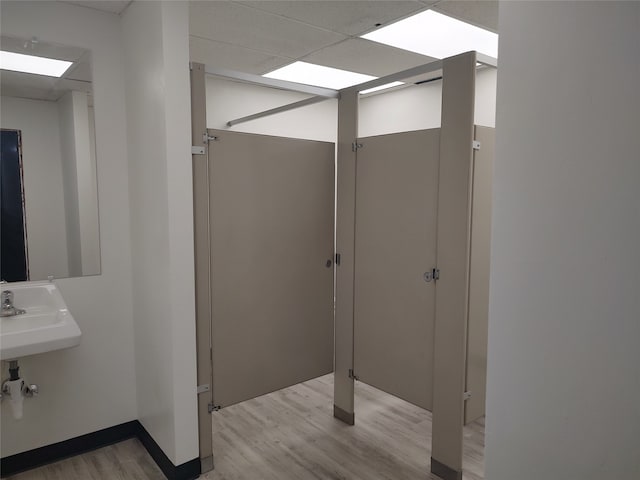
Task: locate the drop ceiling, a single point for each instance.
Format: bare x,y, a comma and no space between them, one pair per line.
41,87
260,36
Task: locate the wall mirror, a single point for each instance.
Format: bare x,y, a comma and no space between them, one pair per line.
49,198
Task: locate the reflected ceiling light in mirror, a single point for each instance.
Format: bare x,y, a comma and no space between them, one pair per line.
18,62
381,87
436,35
318,75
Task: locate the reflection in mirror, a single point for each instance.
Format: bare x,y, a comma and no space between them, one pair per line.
49,198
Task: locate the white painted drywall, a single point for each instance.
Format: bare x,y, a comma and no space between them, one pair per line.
92,386
413,108
229,100
79,178
419,107
42,175
70,160
86,183
155,37
564,363
485,101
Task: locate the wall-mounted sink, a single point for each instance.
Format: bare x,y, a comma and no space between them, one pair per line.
45,325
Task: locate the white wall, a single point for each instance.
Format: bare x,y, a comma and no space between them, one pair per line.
92,386
485,101
155,37
564,328
70,162
413,108
228,100
419,107
44,194
85,172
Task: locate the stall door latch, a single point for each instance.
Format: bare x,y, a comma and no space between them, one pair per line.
433,274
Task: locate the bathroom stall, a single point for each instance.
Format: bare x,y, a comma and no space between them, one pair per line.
396,274
410,261
413,232
271,223
265,207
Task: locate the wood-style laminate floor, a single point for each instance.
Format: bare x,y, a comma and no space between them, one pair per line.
127,460
291,435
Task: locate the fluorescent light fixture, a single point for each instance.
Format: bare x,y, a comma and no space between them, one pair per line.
318,75
381,87
436,35
18,62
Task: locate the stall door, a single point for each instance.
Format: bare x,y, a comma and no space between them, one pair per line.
395,252
271,221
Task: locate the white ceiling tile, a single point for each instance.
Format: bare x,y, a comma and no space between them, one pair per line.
80,71
349,17
233,57
33,46
482,13
364,56
264,32
38,87
41,87
111,6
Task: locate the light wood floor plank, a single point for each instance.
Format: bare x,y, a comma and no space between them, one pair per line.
127,460
291,435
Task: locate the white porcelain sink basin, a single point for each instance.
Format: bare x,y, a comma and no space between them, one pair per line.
46,324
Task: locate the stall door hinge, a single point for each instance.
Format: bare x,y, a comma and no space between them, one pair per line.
476,145
352,375
436,273
206,138
466,395
337,262
355,146
213,408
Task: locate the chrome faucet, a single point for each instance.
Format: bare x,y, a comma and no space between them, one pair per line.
8,309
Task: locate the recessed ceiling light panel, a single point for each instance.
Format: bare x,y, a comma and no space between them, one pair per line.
381,87
318,75
436,35
18,62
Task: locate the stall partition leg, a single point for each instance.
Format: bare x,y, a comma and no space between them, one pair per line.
453,249
343,405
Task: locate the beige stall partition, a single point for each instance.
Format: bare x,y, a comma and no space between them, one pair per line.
202,252
477,327
396,217
454,234
272,210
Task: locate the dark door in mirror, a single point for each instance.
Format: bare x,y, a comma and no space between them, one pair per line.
13,263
